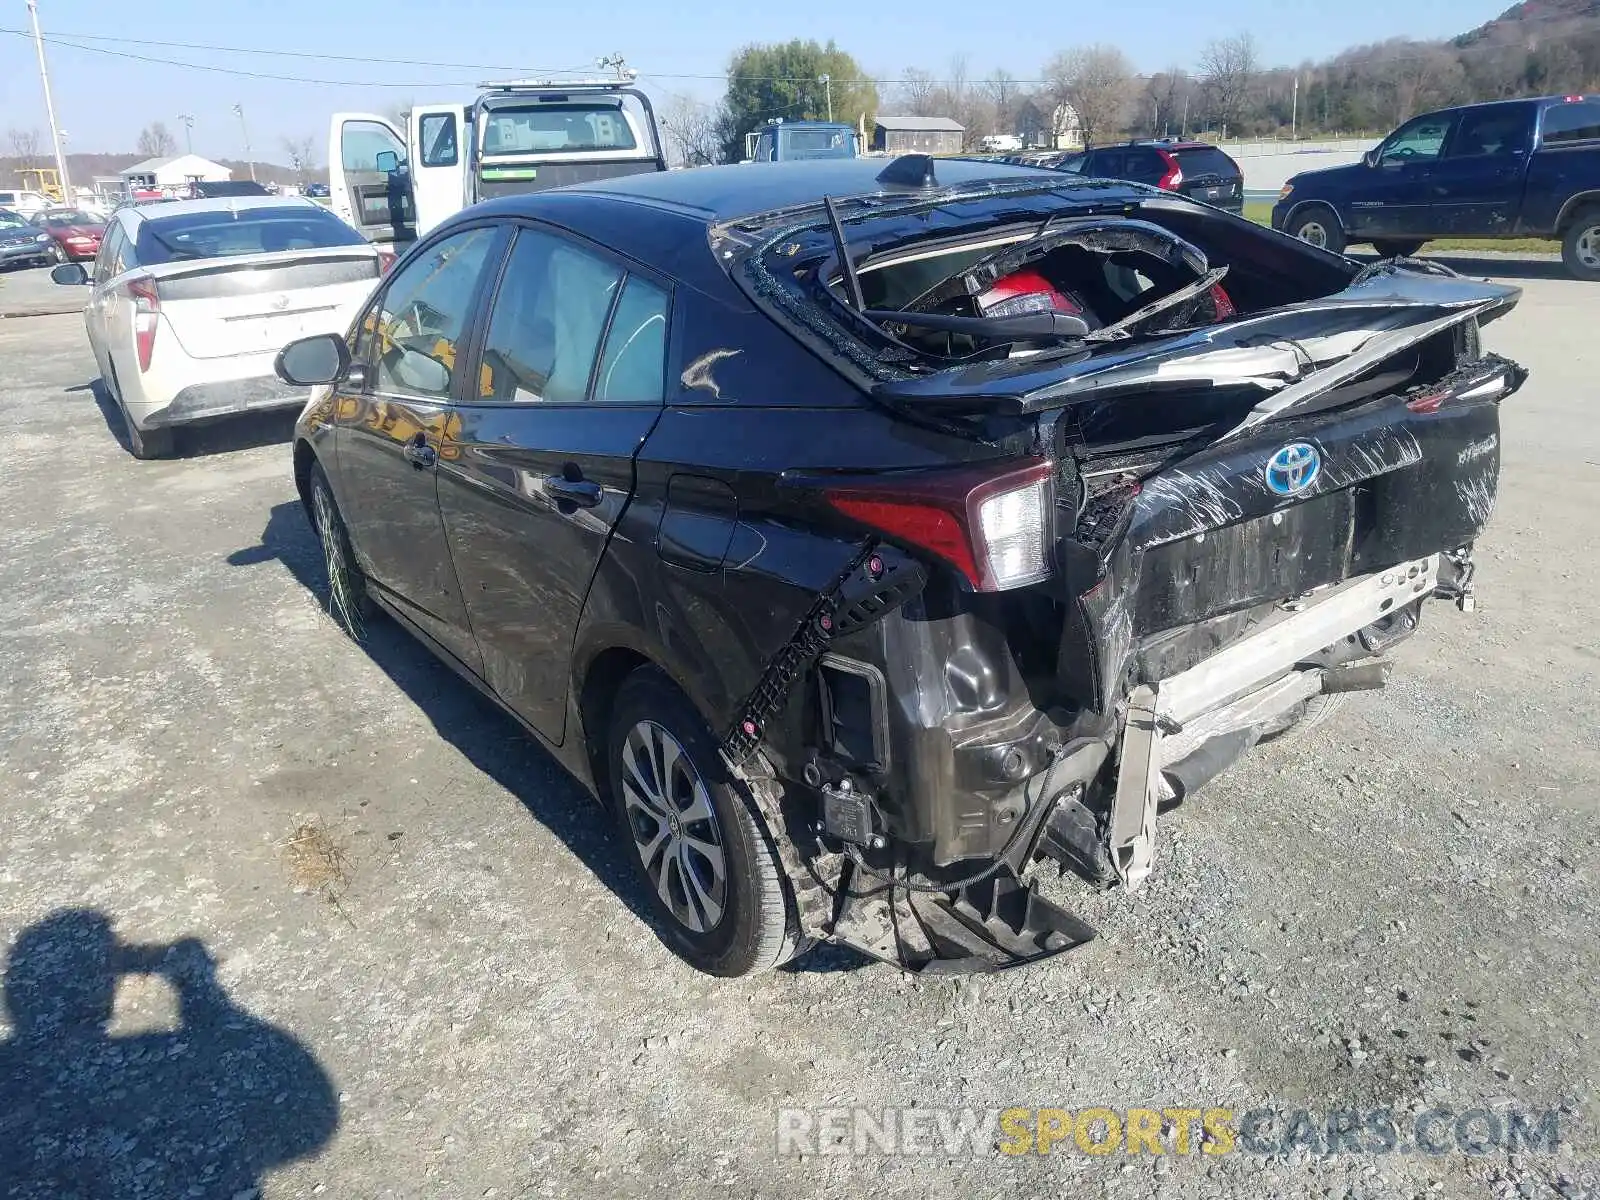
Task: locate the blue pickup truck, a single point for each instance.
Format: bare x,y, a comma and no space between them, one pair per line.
1511,169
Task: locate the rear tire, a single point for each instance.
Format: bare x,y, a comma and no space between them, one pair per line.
1397,249
701,848
57,254
1580,248
1318,226
348,601
147,443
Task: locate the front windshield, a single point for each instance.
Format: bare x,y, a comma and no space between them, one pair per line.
804,143
555,129
10,220
67,218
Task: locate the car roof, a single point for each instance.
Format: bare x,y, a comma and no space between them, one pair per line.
177,208
716,194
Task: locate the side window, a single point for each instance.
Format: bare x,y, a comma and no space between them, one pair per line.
634,367
1145,166
1492,131
420,319
1107,164
549,316
1566,123
438,139
1419,141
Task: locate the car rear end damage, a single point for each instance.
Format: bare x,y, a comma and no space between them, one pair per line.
1210,476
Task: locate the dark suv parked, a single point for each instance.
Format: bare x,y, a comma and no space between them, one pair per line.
1194,169
866,539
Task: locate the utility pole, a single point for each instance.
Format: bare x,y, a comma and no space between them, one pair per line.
50,105
625,73
1294,120
239,108
1186,115
827,86
188,132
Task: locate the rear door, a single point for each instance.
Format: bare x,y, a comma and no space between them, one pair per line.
438,163
1476,186
569,383
395,426
369,184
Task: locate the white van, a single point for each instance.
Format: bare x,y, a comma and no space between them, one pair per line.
395,185
24,203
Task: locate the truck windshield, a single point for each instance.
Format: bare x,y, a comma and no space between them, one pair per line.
819,143
555,128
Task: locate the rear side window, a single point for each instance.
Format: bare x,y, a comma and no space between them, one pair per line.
1572,123
1205,160
633,369
1144,166
224,233
548,319
1491,131
1106,164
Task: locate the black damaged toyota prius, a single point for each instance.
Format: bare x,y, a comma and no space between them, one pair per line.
870,534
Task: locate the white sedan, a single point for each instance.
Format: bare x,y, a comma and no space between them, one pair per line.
191,302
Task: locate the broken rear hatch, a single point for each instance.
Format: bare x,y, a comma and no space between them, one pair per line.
1233,419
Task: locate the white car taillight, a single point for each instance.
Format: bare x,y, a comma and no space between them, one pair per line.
146,317
1013,528
992,522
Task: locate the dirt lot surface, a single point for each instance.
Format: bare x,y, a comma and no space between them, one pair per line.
359,938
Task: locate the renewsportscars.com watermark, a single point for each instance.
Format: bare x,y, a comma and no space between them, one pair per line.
1213,1131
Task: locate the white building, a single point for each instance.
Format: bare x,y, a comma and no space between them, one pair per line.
178,171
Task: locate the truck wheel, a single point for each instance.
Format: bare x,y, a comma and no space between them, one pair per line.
1580,249
1397,249
1302,719
701,848
1319,227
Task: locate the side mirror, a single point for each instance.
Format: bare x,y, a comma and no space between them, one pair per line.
1370,158
323,358
422,373
70,273
387,161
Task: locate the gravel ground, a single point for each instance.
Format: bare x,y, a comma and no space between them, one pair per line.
30,291
357,937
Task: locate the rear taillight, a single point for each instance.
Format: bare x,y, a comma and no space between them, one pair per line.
993,527
146,316
1173,179
385,261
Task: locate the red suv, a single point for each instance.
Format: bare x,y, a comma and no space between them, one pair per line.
1197,169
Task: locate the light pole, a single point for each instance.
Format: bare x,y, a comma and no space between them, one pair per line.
50,104
1294,120
827,86
239,110
188,132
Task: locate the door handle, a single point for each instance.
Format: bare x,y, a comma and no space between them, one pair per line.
419,454
578,492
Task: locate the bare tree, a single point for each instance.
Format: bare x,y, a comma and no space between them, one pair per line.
693,129
156,141
918,92
1229,66
25,145
1098,83
302,152
1002,90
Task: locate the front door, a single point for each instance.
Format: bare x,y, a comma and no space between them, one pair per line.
569,384
1476,185
396,430
369,178
1393,200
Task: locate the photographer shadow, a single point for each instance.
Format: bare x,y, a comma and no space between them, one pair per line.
204,1109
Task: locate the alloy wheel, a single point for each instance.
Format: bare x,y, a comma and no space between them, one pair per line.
674,827
1314,233
1589,247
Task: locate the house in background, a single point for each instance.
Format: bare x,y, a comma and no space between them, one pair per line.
918,135
178,171
1043,127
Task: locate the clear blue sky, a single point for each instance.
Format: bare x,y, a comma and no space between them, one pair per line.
103,101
